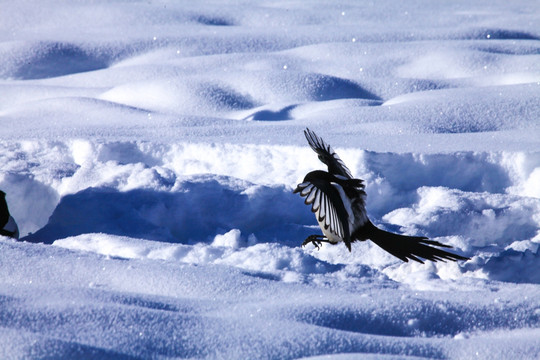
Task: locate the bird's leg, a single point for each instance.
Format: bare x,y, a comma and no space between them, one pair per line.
316,240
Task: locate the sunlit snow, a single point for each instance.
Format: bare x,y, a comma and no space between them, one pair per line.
149,151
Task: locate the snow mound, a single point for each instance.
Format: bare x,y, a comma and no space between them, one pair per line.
271,261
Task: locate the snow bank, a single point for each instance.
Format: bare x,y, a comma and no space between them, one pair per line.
479,203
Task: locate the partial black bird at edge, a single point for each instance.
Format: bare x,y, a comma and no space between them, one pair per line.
8,226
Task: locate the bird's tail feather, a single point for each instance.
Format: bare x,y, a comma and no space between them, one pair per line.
410,247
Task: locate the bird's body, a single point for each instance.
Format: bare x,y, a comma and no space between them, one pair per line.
338,202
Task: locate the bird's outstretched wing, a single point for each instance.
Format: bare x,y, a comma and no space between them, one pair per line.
328,213
327,155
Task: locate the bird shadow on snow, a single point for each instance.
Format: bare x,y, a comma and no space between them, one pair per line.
316,88
272,115
196,213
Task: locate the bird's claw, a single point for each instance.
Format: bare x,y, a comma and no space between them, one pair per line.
316,240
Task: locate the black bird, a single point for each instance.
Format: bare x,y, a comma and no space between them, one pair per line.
338,201
8,226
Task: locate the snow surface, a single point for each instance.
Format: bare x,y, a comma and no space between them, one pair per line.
149,151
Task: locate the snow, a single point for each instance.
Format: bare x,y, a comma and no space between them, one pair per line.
149,151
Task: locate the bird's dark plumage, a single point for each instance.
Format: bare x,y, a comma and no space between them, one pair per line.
338,201
8,227
4,212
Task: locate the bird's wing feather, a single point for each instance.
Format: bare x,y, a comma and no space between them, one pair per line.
326,211
327,155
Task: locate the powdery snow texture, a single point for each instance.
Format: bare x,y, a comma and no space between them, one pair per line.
149,151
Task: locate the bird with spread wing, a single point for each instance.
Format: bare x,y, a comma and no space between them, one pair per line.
338,201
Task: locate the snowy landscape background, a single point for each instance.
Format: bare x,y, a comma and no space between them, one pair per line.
149,150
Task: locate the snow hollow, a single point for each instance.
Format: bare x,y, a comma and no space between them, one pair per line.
149,151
